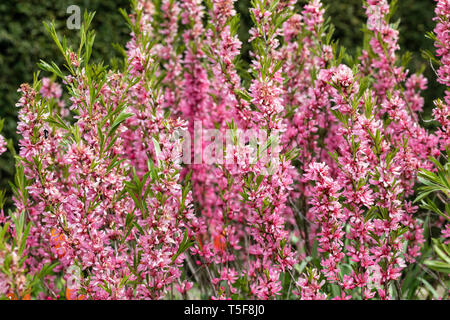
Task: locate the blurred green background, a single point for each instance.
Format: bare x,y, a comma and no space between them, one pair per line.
23,42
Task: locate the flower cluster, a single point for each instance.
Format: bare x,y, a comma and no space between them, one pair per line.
129,190
442,32
2,144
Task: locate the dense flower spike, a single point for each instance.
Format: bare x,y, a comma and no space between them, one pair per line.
442,32
190,173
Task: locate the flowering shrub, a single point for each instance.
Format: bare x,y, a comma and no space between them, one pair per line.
291,177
